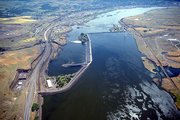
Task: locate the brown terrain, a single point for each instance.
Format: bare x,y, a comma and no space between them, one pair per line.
157,33
11,102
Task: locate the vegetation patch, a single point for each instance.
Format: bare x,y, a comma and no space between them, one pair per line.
36,117
62,80
17,20
83,38
148,64
35,107
29,40
176,93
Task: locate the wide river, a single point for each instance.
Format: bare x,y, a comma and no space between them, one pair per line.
116,85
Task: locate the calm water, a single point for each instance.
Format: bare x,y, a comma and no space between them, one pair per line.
73,52
70,53
115,86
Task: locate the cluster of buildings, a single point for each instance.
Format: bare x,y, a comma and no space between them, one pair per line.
20,79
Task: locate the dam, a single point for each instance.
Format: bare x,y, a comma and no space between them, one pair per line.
115,85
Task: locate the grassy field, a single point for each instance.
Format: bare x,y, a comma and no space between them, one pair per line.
17,20
17,31
161,30
168,86
29,40
11,102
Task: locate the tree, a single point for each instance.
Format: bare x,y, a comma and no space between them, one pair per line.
36,117
63,79
83,38
35,107
144,30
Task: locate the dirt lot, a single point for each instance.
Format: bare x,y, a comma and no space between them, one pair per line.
12,102
159,30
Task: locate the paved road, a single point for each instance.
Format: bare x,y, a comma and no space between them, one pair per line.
31,90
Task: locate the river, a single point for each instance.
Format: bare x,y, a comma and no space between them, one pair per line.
115,86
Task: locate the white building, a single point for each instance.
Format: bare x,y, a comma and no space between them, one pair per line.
20,83
49,83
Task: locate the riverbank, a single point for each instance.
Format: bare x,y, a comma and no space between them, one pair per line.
154,41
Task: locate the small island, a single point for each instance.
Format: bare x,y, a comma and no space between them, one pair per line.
83,38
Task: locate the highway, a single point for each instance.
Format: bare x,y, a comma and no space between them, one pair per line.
33,79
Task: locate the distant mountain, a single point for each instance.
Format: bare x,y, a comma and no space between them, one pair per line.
136,2
10,8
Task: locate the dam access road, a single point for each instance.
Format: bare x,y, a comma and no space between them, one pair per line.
33,79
